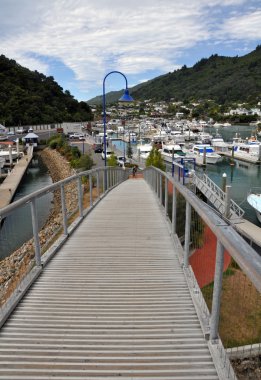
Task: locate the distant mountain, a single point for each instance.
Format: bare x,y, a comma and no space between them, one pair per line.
222,79
28,97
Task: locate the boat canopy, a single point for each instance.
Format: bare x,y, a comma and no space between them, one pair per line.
200,149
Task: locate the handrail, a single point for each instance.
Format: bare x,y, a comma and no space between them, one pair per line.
240,250
227,240
36,194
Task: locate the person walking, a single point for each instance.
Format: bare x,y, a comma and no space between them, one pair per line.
134,170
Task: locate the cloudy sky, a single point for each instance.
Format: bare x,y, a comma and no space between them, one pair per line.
79,41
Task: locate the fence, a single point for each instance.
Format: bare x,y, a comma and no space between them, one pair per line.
66,202
223,271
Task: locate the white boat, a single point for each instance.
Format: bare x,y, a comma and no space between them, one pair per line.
171,150
203,138
254,199
2,162
219,144
217,125
143,150
6,155
250,151
178,137
189,135
197,152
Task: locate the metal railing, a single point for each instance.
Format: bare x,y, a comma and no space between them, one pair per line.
223,271
71,200
218,197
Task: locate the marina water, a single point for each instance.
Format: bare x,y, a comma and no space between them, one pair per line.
17,228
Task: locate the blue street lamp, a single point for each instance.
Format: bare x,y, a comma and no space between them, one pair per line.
125,98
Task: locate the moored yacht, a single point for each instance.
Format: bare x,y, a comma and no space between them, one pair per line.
2,162
254,199
143,148
6,154
219,145
197,152
171,150
249,151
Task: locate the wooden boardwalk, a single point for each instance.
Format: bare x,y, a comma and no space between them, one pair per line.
112,303
12,181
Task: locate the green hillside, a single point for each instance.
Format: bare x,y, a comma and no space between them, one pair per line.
28,97
222,79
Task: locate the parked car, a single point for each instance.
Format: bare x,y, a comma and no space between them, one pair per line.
20,131
77,136
97,148
109,152
122,160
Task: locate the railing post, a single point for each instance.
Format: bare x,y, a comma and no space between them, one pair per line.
160,188
156,183
90,189
64,211
104,180
227,201
109,178
214,322
187,234
80,197
98,183
166,196
37,248
174,210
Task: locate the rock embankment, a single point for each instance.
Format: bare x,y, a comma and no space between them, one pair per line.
14,267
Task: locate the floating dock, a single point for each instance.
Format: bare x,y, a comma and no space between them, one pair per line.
249,159
9,186
250,231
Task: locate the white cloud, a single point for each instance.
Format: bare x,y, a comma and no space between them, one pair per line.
244,27
94,37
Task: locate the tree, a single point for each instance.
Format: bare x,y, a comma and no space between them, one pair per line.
129,151
155,159
112,160
28,97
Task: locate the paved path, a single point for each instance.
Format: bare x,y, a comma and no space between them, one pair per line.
112,303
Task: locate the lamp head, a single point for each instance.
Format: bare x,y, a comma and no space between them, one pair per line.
126,97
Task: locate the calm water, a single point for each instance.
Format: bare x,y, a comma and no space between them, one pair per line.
17,228
242,177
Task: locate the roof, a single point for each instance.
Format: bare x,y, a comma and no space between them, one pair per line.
31,136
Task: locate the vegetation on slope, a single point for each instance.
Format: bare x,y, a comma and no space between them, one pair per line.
29,97
222,79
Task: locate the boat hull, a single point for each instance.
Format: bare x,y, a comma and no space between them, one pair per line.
255,201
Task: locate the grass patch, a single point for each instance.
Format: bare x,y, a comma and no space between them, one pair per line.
240,315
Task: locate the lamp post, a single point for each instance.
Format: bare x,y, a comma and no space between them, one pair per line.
125,98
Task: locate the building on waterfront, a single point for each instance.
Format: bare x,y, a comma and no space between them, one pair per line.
31,139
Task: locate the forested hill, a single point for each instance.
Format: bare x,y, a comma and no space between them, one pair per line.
28,97
223,79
